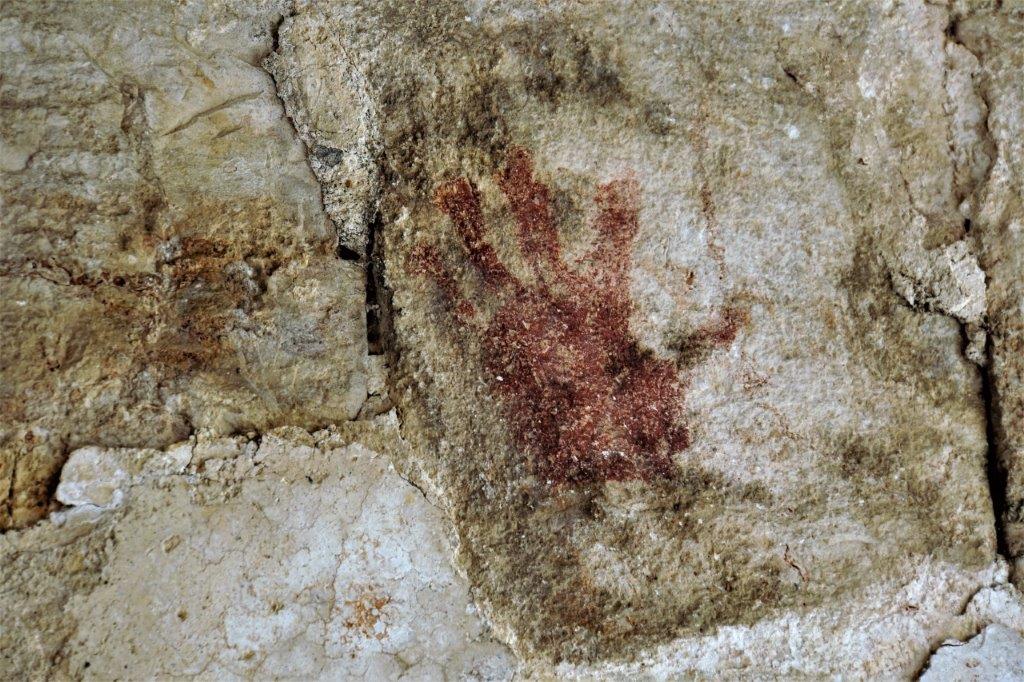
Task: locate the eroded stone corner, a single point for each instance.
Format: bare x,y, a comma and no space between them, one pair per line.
987,641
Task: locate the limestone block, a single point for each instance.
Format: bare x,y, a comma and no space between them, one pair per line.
648,343
166,263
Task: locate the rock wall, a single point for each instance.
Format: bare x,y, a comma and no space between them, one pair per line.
167,262
456,340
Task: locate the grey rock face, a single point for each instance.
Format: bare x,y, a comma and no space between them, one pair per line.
996,653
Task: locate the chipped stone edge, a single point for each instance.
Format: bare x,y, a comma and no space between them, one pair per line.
998,604
950,281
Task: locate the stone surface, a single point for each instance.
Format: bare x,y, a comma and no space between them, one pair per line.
165,260
306,555
673,267
700,324
997,38
301,556
41,569
884,635
996,653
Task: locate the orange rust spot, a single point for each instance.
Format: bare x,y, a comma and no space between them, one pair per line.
367,612
583,399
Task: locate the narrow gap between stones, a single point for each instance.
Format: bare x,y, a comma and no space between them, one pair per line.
345,253
377,301
995,472
374,287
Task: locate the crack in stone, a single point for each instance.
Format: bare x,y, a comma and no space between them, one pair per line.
995,469
275,39
958,640
378,299
226,104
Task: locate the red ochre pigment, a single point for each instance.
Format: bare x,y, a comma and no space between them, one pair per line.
582,398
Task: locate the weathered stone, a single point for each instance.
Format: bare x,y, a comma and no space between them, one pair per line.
92,476
319,562
996,653
701,326
166,261
884,634
41,568
644,325
997,212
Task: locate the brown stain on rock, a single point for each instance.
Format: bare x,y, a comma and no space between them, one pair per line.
205,285
564,610
138,333
582,398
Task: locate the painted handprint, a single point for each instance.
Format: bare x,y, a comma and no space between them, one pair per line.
582,398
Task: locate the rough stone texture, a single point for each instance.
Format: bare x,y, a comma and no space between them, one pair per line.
668,250
997,653
301,556
702,325
41,569
883,635
997,38
305,555
165,260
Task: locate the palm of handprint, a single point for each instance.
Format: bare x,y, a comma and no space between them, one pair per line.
582,398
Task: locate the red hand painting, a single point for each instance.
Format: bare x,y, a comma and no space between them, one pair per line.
582,398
